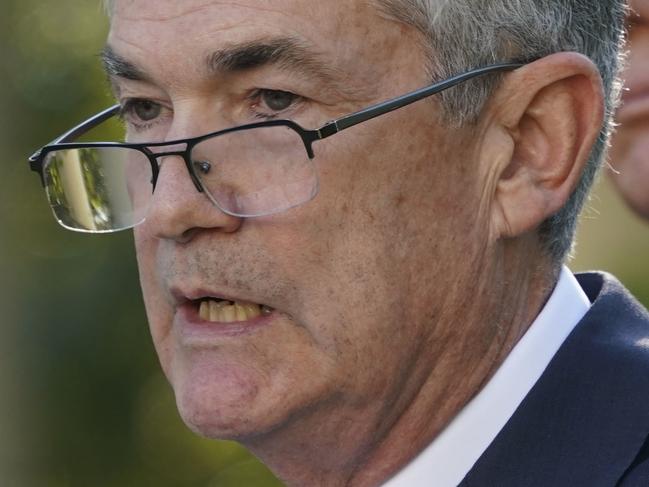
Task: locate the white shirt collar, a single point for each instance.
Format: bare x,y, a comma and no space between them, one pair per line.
447,460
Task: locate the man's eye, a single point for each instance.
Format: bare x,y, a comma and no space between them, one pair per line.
277,100
143,110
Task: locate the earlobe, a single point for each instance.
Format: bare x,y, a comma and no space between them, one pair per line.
551,111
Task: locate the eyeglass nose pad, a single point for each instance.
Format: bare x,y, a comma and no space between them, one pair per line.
155,169
194,167
203,166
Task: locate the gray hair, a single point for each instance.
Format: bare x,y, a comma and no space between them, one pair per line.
462,34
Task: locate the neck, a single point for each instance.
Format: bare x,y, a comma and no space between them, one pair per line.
366,445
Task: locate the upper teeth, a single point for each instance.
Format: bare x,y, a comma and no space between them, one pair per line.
229,312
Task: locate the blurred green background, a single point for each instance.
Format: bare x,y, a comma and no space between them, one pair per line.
82,400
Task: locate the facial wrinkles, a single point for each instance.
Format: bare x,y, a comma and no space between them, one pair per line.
233,270
372,316
234,26
236,263
234,21
174,10
255,273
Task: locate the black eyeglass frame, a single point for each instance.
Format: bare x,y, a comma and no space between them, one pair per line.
63,142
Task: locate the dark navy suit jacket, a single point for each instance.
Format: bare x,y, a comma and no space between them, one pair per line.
585,423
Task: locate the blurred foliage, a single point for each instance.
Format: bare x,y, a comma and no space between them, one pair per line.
83,401
613,238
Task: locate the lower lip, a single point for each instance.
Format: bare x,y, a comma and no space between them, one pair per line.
191,328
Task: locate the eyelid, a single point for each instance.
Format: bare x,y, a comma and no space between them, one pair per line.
256,98
128,103
129,118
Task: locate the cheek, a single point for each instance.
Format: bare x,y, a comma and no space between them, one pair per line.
399,194
345,302
159,313
391,212
354,266
145,249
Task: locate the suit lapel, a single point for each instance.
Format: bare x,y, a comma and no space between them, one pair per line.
586,418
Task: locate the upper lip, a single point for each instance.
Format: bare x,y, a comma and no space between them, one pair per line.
181,296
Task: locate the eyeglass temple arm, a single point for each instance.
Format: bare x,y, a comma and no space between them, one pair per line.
80,129
336,126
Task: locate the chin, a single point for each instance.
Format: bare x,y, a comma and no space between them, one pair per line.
214,422
222,401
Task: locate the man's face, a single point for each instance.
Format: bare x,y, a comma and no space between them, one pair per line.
630,150
360,279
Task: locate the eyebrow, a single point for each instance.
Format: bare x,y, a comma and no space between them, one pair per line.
285,52
116,66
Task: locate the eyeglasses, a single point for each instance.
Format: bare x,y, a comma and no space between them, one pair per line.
246,171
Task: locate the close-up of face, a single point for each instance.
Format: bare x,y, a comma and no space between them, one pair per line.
300,242
261,323
630,145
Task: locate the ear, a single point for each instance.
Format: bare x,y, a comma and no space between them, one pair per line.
541,125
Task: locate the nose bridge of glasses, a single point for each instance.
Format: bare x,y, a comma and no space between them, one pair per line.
159,152
162,150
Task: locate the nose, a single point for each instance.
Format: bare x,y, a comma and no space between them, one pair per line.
178,211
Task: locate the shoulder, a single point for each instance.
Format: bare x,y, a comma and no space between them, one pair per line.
616,324
614,333
586,420
610,298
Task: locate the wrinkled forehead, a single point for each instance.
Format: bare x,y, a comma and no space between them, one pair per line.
341,25
352,37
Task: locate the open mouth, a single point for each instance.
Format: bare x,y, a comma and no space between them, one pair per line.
217,310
